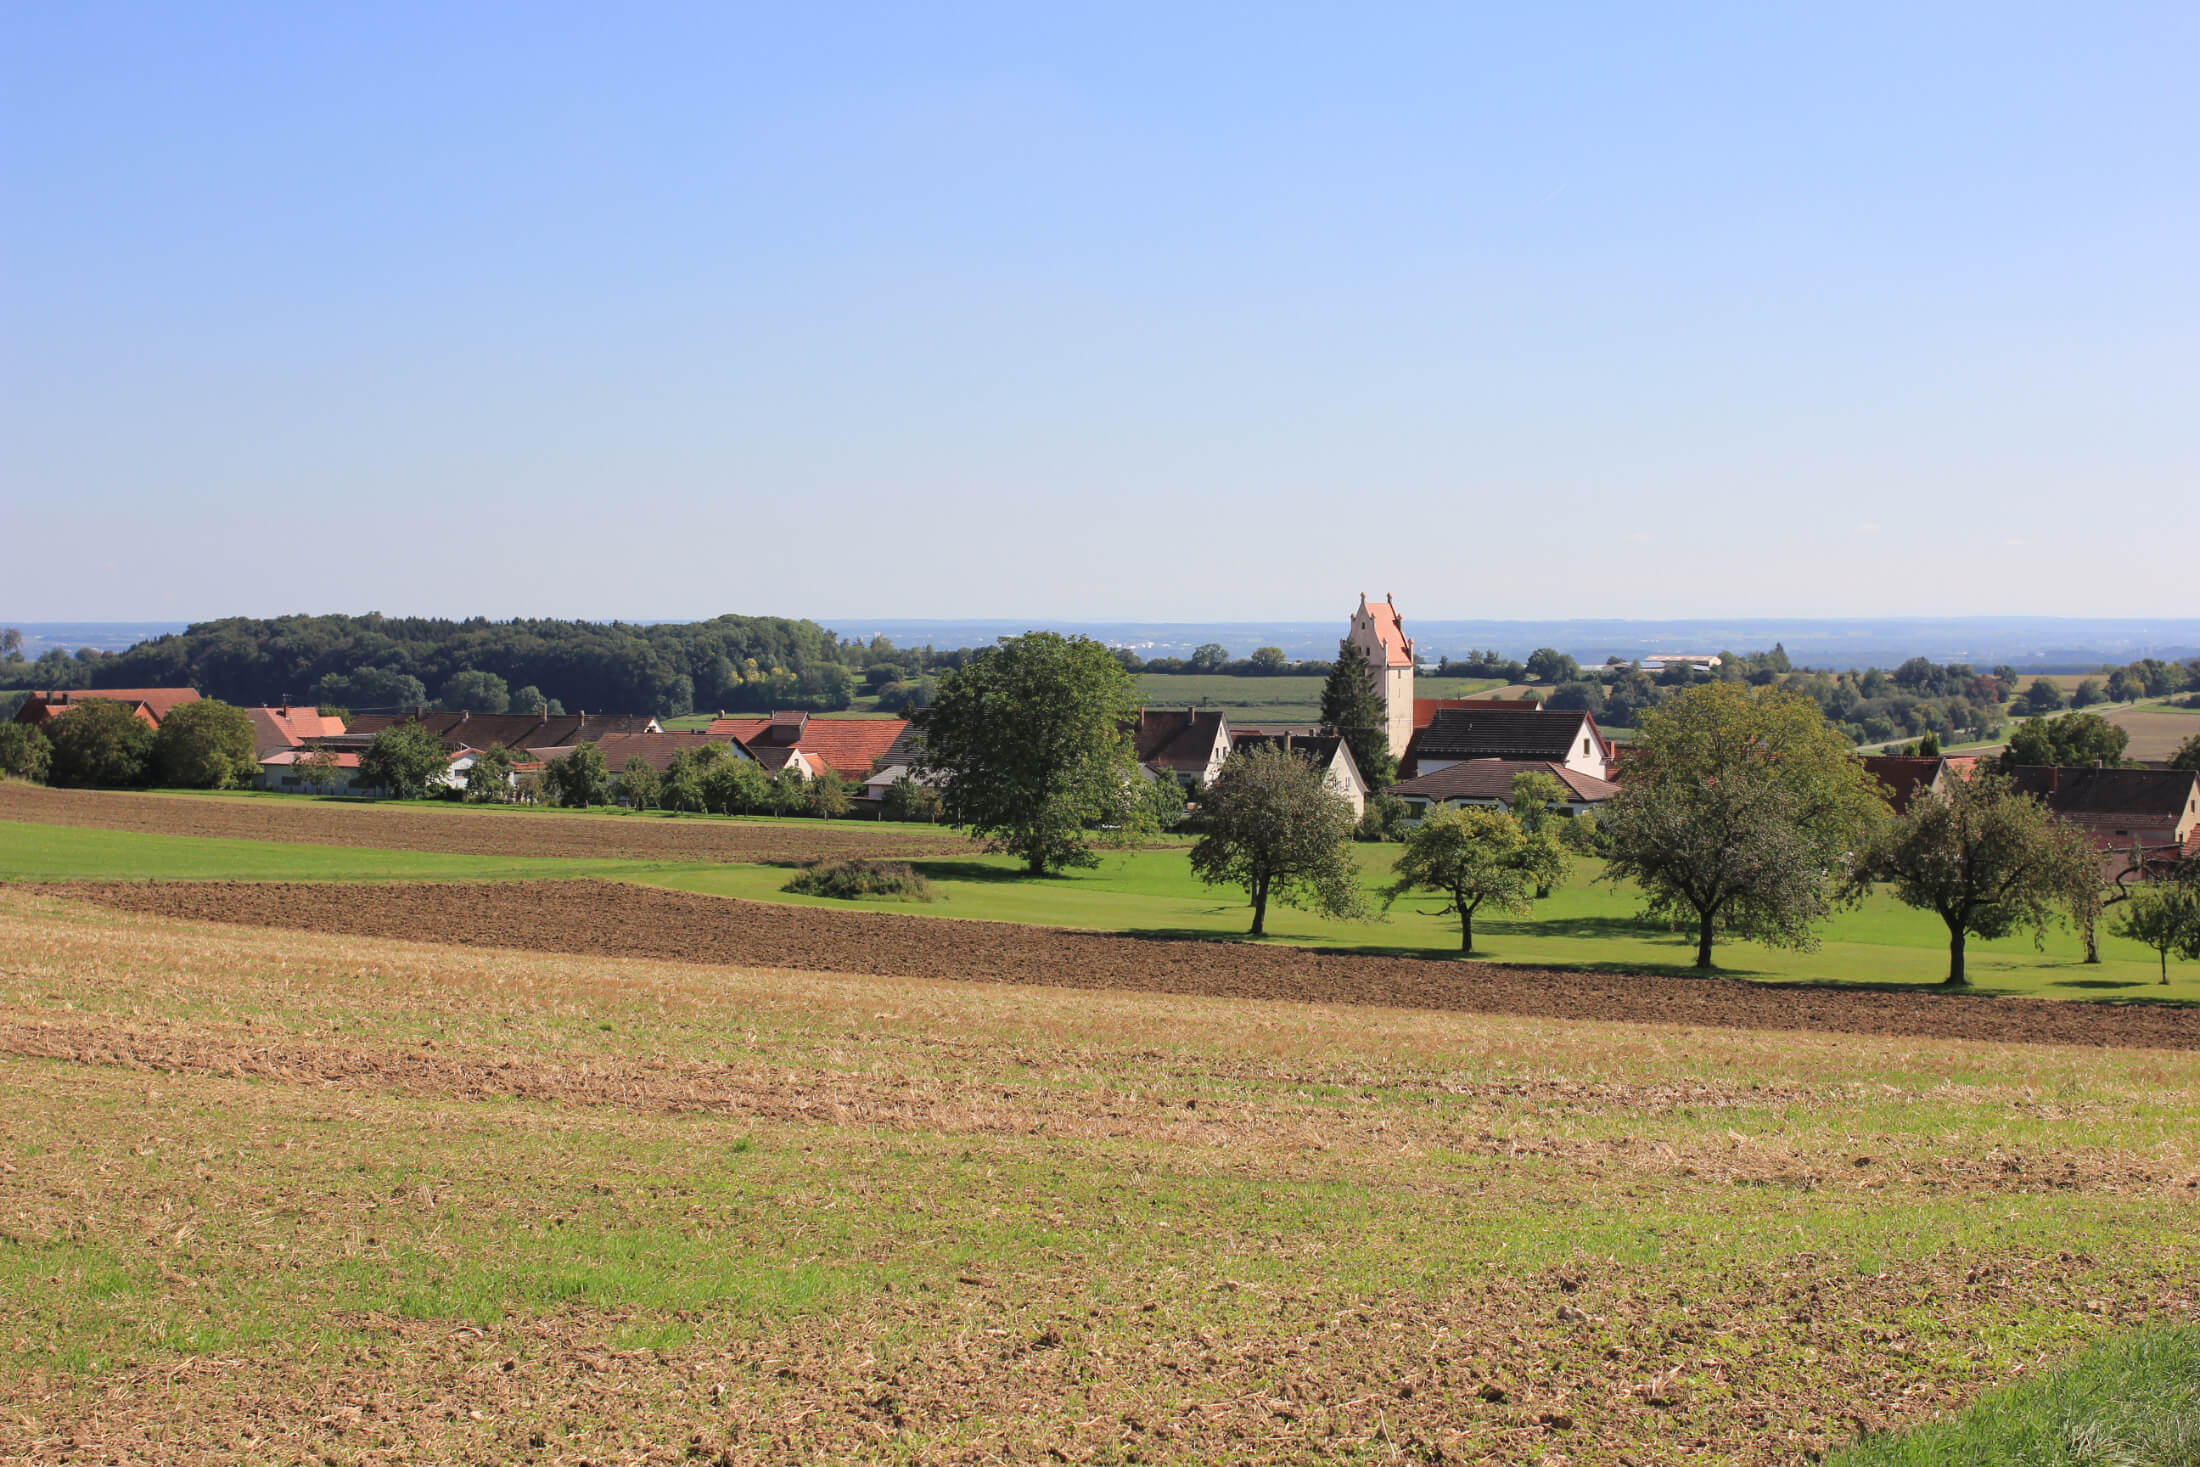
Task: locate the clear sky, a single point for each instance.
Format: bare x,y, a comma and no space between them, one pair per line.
1152,312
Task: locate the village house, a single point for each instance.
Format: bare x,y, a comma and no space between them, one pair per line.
1906,776
657,750
277,729
150,705
1189,745
1697,661
279,771
486,730
1495,730
852,748
2153,813
1326,752
1490,782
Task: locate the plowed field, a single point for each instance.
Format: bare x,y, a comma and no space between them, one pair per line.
615,920
472,831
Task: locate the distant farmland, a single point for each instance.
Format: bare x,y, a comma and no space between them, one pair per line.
1273,699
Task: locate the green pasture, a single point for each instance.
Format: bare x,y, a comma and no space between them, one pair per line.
1273,699
1587,924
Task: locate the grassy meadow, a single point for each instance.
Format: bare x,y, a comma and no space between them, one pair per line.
1588,923
270,1199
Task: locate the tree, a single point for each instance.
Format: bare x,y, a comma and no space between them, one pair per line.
638,784
1276,828
2043,697
100,742
1269,659
318,769
579,779
205,745
905,799
372,687
788,792
827,796
402,760
529,700
489,778
1210,657
733,785
2073,739
2165,915
1986,858
1739,813
1351,710
1163,801
1476,856
1549,665
1028,744
2088,693
24,752
476,692
11,643
2187,755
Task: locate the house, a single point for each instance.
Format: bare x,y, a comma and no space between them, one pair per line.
1189,745
276,729
849,747
1906,775
150,705
1699,661
657,750
484,730
1327,752
897,763
2153,812
1504,731
1378,630
1490,782
278,771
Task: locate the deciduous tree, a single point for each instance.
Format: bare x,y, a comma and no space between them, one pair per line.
1985,858
24,752
489,777
402,760
2165,915
579,779
2073,739
100,742
476,692
1474,857
317,769
204,745
1739,813
1276,828
638,784
1028,745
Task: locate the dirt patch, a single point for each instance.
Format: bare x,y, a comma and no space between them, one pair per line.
474,831
594,918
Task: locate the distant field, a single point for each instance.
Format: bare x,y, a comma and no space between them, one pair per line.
1273,699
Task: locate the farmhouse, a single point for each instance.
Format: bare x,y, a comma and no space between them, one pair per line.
657,750
1188,746
1508,731
277,729
2154,812
848,747
1906,776
279,770
1326,752
1698,661
1490,782
151,705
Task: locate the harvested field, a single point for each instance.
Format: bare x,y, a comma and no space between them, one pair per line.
611,919
349,1200
474,831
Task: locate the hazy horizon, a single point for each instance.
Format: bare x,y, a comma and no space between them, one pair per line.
1151,312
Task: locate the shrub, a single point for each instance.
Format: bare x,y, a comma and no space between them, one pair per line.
861,880
100,742
24,752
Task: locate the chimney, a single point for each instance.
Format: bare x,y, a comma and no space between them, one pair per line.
2098,764
583,715
2054,778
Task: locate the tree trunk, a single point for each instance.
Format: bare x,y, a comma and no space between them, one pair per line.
1955,978
2092,942
1466,929
1260,906
1703,940
2164,953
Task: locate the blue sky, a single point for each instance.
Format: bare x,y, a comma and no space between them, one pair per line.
1146,312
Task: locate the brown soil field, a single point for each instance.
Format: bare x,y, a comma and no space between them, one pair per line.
615,920
471,830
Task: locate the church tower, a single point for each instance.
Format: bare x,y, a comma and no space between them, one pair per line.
1380,632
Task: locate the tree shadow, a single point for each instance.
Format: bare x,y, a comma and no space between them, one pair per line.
2095,983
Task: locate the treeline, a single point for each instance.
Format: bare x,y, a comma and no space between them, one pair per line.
1213,659
378,662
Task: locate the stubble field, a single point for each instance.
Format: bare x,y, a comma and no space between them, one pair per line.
350,1199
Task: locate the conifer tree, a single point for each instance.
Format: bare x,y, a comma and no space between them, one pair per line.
1351,710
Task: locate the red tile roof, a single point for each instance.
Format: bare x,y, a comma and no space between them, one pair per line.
657,750
850,747
151,704
287,728
1904,775
1491,779
1390,631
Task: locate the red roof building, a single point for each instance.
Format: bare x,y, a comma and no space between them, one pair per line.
848,747
150,704
275,729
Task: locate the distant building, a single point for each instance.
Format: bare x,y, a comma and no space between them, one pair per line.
1906,776
2155,812
1700,661
849,747
485,730
1189,746
277,729
279,771
1326,752
657,750
1490,782
1508,731
1379,631
151,705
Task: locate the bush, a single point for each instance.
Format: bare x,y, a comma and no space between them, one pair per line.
24,752
100,742
1384,818
205,745
860,881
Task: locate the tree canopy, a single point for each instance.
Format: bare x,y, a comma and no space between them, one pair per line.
1475,856
1986,858
1276,828
204,744
1739,813
24,752
2072,739
1029,743
2165,915
402,760
100,742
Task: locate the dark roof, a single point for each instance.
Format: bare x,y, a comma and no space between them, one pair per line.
1177,739
657,750
154,703
1904,775
513,730
1319,747
1497,733
1492,779
2086,795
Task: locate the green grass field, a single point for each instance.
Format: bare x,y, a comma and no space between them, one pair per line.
1586,924
1258,700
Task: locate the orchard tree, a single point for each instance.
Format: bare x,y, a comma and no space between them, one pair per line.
100,742
1351,710
2165,915
579,779
1028,744
905,799
733,785
2187,755
1987,859
489,777
2075,739
1476,856
318,769
403,760
1739,813
1276,828
24,752
638,784
204,745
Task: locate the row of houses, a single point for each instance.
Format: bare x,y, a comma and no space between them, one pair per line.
2140,820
